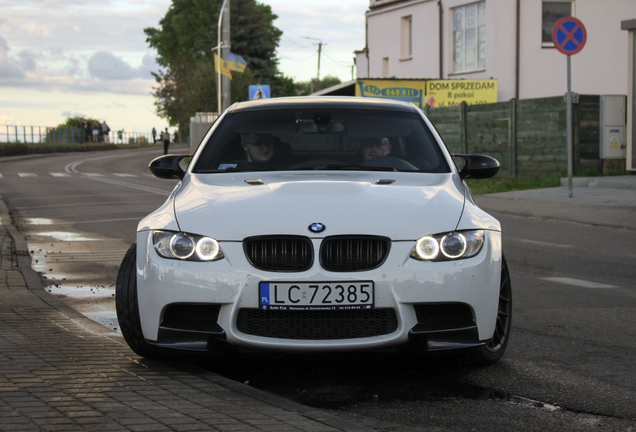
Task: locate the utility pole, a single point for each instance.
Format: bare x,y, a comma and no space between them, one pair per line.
223,82
225,30
319,51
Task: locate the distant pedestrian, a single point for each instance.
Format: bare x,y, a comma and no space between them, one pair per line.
176,137
166,141
154,135
95,132
87,131
105,131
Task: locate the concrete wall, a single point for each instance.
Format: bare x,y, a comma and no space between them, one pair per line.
197,132
600,68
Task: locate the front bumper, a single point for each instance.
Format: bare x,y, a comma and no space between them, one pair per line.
445,305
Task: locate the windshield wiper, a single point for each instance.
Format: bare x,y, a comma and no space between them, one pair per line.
225,170
355,168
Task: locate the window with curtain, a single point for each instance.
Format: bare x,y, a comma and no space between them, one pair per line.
469,37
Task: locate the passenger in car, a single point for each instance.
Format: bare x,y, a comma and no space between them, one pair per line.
258,146
375,147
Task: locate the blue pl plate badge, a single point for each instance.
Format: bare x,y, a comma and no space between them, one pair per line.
264,291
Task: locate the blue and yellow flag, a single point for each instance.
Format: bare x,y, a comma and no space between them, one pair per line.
236,63
224,69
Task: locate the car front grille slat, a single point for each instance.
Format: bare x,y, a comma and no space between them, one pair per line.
317,325
281,253
356,253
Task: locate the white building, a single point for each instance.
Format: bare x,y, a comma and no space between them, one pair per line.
508,40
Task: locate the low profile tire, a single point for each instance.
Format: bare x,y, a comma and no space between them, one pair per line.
128,307
491,352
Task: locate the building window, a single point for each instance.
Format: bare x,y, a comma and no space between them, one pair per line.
552,11
406,38
469,35
385,67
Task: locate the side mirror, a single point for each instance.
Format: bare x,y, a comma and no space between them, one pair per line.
478,166
168,166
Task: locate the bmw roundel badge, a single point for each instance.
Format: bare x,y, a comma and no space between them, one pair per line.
317,227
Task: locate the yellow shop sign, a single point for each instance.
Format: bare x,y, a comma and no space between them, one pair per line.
446,93
404,90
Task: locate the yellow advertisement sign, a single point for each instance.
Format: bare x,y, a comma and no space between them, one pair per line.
446,93
404,90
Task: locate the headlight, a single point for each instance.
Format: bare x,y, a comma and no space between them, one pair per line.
448,246
183,246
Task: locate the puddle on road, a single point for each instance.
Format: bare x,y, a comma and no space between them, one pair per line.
65,236
39,221
80,291
52,276
104,315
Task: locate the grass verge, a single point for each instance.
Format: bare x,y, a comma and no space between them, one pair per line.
488,186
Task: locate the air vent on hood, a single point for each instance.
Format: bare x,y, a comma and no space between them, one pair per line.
385,181
255,182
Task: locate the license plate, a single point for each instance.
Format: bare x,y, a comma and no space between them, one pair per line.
316,295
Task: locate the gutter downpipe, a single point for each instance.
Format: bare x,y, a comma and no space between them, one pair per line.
441,39
218,66
517,50
366,43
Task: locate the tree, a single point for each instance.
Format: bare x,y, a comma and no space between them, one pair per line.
184,42
305,88
77,122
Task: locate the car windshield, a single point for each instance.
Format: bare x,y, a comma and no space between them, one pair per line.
320,139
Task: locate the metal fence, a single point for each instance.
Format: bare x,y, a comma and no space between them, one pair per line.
49,135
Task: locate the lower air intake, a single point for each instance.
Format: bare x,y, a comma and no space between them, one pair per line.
317,325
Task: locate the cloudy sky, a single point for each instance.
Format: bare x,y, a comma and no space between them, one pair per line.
61,58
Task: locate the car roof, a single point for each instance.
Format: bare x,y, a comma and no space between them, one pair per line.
324,102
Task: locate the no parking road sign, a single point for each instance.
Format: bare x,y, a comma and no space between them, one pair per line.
569,35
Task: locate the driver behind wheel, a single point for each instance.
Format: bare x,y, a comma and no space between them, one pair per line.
375,147
258,146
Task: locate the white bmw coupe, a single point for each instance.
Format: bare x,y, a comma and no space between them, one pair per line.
318,224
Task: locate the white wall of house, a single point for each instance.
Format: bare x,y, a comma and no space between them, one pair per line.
600,68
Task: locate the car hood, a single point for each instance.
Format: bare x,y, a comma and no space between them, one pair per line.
228,208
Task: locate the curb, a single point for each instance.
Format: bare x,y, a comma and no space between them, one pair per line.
34,284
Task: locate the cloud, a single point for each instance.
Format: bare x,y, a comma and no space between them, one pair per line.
27,60
148,66
9,68
73,114
106,66
6,119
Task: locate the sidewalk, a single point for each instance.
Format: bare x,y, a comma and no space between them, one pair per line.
600,201
59,371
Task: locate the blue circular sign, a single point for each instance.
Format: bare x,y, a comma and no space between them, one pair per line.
569,35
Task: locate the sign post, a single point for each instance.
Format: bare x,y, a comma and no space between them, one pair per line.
569,37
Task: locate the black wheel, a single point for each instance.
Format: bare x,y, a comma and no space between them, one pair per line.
496,347
128,308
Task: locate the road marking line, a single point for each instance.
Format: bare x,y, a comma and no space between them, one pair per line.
1,176
133,186
27,174
92,175
60,174
124,175
578,282
541,243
